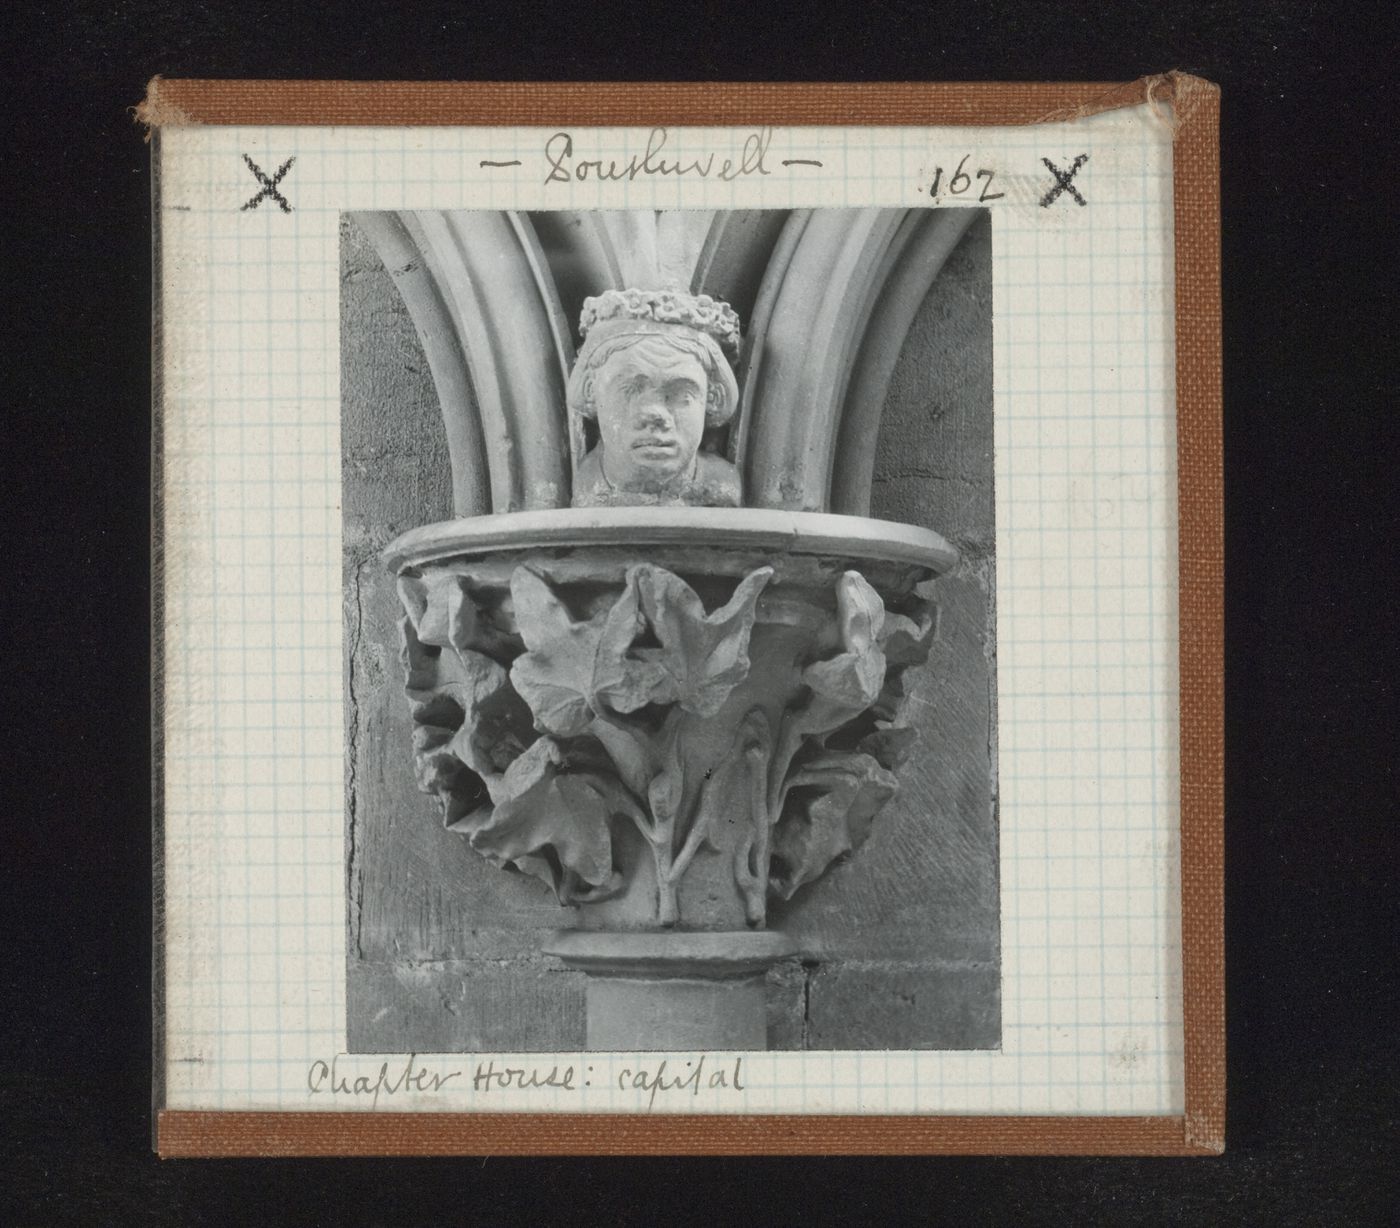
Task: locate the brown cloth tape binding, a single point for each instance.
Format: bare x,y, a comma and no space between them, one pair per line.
1195,115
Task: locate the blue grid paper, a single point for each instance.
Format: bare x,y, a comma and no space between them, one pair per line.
1085,480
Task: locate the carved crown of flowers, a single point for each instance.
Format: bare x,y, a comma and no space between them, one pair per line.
698,311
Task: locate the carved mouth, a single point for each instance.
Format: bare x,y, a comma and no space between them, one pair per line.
656,444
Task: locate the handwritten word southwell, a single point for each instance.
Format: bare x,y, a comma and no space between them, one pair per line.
567,167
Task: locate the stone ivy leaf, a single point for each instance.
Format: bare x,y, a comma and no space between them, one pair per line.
555,677
629,750
472,677
626,682
444,613
470,629
436,766
537,764
890,746
469,679
831,804
575,669
465,713
496,730
905,641
702,657
449,697
419,662
575,891
413,596
852,679
426,599
551,823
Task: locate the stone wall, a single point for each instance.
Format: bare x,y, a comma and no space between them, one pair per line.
900,945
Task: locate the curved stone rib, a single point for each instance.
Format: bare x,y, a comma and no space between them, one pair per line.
906,282
739,247
504,320
655,249
582,258
736,251
447,358
632,233
559,326
769,287
798,382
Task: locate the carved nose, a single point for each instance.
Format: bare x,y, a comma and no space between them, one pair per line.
654,415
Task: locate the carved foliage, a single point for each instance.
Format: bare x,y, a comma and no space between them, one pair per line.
543,721
835,748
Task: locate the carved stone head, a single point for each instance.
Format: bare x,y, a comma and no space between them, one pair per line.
654,373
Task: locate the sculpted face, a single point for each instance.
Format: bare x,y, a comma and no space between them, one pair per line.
650,399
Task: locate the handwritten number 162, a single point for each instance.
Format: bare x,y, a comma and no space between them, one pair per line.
960,181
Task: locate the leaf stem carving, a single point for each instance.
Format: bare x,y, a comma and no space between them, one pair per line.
629,749
751,857
699,833
666,796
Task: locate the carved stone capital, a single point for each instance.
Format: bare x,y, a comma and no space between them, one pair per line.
665,743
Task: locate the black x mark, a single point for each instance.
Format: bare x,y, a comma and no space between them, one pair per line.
269,186
1062,181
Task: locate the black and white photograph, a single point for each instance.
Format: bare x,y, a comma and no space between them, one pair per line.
669,625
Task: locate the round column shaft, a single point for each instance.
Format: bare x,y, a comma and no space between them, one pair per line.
673,991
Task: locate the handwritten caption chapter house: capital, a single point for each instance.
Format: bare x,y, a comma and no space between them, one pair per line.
667,1077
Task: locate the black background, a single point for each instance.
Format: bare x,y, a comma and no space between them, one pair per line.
1308,125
